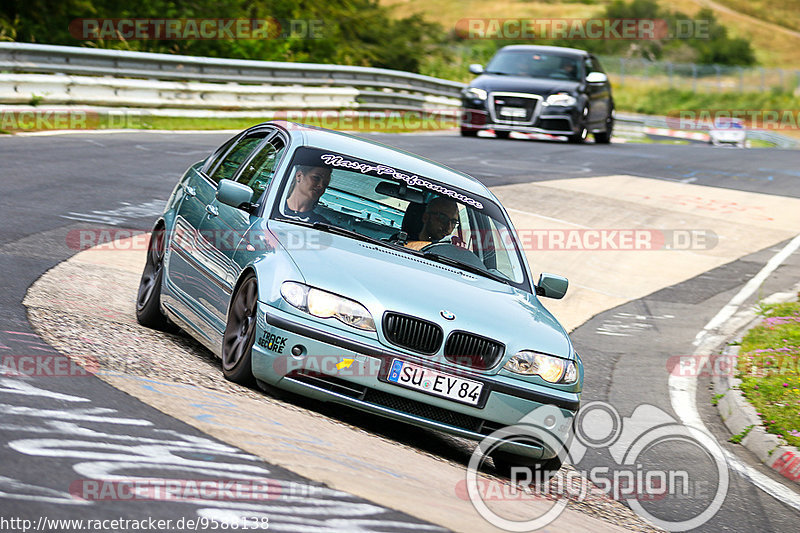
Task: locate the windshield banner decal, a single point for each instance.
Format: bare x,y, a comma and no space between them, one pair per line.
383,170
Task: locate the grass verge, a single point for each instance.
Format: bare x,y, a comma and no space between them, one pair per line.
768,367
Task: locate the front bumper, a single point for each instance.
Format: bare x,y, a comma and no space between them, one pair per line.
323,373
551,120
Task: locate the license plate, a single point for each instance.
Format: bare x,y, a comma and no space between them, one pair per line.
434,382
516,112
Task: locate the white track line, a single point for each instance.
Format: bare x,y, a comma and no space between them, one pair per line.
682,390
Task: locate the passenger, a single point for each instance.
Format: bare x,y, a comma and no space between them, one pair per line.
308,186
438,221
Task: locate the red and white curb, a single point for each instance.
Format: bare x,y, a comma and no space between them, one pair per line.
725,325
678,134
739,415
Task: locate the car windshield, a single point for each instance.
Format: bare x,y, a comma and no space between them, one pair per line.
534,65
728,124
415,214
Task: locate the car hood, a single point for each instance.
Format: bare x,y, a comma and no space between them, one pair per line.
384,279
523,84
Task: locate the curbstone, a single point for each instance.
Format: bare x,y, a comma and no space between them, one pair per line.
736,411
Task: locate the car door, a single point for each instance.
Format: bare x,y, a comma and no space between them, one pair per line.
195,261
599,93
227,227
183,278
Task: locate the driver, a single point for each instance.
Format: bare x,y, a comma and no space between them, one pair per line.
568,69
308,186
438,221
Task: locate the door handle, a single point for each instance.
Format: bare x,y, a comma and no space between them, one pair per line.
190,191
212,210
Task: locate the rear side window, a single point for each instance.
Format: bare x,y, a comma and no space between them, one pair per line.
261,168
231,162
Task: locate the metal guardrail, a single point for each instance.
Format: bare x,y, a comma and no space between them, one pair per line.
35,58
649,121
115,77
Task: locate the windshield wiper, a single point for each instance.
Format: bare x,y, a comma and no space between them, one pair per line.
439,258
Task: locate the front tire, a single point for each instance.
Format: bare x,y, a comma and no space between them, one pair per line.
468,133
240,333
542,470
580,136
605,136
502,134
148,298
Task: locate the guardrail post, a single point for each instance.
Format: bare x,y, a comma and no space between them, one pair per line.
621,70
763,80
669,73
719,77
694,77
741,80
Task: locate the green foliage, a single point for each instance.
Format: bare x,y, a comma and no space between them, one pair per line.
769,367
352,32
700,39
736,439
656,100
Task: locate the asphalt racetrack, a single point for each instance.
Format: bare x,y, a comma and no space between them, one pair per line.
631,313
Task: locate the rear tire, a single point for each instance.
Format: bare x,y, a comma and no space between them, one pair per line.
240,333
502,134
148,298
468,133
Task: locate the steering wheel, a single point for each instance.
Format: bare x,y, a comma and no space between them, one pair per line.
454,252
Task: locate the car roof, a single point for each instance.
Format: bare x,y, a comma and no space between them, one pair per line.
344,143
541,48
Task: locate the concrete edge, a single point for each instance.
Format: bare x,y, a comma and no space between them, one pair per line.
737,413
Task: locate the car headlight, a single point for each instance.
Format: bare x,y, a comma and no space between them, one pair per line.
323,304
562,99
549,368
474,92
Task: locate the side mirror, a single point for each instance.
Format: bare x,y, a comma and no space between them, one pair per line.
596,77
552,286
234,194
476,68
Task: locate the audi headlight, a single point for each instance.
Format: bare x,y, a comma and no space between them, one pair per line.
549,368
323,304
561,99
474,92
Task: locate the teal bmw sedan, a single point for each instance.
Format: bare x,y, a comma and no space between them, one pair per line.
347,271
